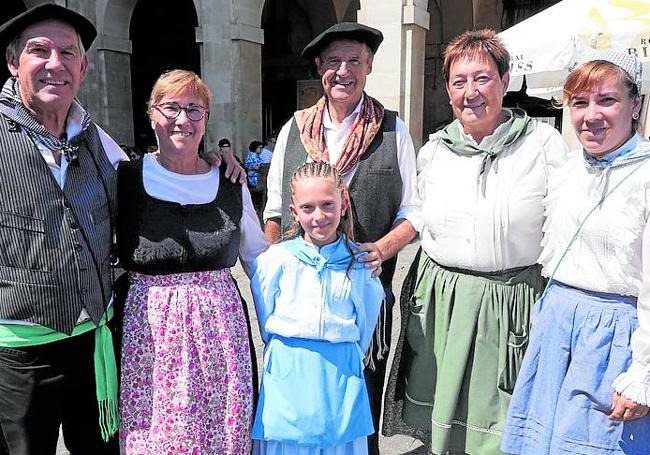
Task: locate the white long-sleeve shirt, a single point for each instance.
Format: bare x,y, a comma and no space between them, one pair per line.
612,252
335,137
489,222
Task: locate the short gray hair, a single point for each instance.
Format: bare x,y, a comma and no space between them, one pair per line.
13,47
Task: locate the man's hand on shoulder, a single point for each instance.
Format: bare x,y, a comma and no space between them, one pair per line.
234,171
373,259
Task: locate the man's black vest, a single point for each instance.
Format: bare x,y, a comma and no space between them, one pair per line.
54,243
375,188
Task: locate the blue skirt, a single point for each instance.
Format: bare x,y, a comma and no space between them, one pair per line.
580,342
313,394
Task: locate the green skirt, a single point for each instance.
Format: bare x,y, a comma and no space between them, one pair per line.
462,341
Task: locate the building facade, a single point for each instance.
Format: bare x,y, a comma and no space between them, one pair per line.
248,52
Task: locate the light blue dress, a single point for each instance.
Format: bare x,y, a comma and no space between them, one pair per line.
317,316
589,330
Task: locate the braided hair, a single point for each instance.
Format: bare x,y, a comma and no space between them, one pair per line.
321,169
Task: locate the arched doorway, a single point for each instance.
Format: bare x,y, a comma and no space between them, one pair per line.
159,44
10,8
288,26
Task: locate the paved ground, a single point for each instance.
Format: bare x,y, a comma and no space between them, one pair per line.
390,446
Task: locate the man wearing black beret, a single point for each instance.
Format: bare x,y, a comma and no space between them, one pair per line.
371,147
57,365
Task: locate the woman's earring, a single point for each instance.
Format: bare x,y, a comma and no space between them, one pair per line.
635,116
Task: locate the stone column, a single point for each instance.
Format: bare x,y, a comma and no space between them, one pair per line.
397,78
107,89
231,66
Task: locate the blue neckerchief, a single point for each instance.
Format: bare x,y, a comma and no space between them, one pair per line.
607,160
334,256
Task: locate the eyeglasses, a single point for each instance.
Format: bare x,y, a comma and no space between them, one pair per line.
194,112
335,63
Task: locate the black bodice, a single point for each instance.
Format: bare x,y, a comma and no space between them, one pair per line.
158,237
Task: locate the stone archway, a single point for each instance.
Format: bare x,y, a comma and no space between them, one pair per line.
122,84
113,71
288,26
159,45
10,8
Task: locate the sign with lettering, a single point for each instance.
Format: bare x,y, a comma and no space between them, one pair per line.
545,47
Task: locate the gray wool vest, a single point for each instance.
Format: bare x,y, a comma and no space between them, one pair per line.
55,243
375,188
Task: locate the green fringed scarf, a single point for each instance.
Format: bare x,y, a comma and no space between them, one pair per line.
23,335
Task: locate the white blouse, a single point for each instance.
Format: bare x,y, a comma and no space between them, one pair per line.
492,221
612,252
201,189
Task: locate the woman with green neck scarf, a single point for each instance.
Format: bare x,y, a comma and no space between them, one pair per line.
466,302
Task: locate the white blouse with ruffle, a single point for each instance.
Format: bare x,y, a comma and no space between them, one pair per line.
612,252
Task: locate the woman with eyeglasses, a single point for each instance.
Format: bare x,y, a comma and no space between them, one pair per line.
186,384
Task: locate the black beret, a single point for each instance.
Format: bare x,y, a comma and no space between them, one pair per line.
344,31
13,27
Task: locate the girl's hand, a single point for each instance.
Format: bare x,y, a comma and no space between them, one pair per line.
373,259
625,409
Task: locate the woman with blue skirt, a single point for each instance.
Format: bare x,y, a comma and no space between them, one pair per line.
584,387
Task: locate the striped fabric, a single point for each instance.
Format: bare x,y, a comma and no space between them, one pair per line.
54,243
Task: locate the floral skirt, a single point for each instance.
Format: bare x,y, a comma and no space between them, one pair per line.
186,385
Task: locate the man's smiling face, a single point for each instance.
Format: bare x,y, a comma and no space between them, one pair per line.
343,67
49,67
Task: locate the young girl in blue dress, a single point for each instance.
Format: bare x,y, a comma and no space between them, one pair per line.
317,308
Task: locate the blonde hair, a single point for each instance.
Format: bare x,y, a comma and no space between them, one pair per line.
321,169
178,81
588,75
474,45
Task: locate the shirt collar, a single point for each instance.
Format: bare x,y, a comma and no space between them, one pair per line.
490,139
329,124
606,160
75,120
